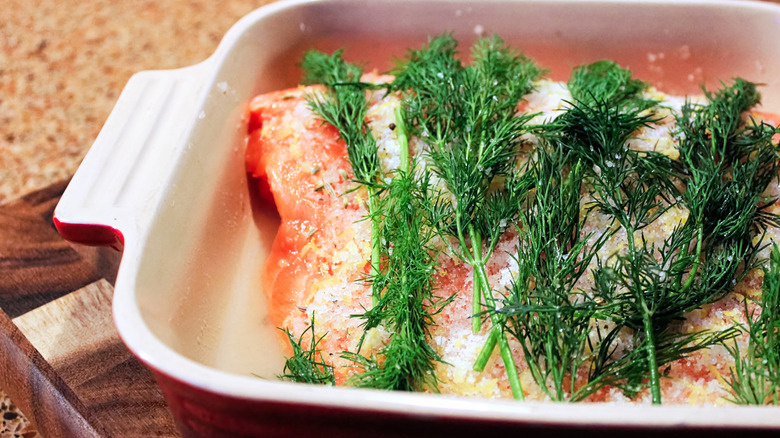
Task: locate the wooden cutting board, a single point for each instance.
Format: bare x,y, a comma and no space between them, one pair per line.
61,360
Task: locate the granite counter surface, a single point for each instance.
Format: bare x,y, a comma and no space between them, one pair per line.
64,64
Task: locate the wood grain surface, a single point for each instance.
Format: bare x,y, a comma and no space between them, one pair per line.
36,264
63,363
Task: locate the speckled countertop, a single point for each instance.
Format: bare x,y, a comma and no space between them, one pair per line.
62,68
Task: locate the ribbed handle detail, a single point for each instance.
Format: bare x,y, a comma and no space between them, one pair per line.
123,175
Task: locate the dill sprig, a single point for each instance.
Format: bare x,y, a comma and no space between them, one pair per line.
401,263
544,310
596,131
406,279
650,285
589,141
306,365
467,116
606,81
344,106
755,377
642,287
727,165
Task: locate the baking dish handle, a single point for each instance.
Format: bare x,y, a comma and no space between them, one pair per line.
117,187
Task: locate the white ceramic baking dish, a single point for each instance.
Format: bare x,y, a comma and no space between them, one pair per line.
165,180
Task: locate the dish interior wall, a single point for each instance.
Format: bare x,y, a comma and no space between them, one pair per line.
198,283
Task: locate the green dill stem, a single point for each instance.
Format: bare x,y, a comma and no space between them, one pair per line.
344,106
652,364
487,350
503,343
697,260
403,138
647,322
476,306
625,212
375,243
403,142
476,303
713,145
474,258
510,367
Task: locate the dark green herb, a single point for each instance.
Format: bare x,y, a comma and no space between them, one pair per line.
724,169
407,303
306,364
468,117
649,285
344,106
544,310
606,81
755,377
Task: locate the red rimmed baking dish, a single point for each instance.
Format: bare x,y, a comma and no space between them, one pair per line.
165,180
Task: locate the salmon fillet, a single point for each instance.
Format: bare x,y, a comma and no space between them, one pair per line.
322,249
